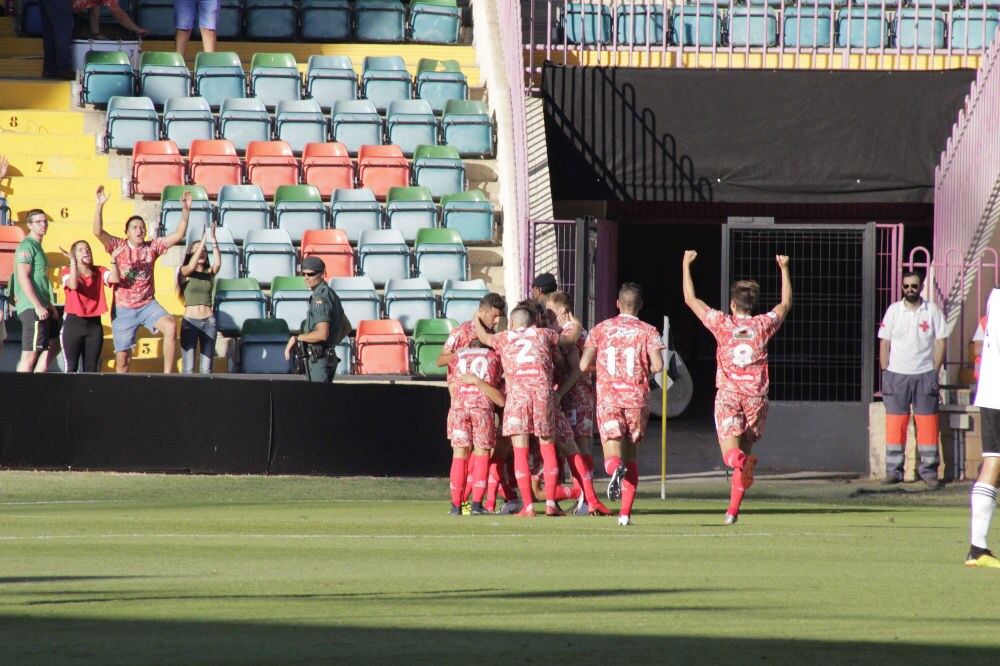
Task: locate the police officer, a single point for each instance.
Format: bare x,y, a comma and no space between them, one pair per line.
325,325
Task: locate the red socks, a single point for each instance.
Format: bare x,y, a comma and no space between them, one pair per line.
584,476
735,458
550,467
480,470
611,463
629,486
457,480
522,473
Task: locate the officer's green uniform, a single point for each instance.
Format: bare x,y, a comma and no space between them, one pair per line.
321,362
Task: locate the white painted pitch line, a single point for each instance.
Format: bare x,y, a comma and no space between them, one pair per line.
616,535
94,501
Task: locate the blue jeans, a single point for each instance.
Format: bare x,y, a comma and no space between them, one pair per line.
193,333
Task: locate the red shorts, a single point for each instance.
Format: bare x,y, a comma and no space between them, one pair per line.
615,422
564,431
738,415
531,412
578,405
472,427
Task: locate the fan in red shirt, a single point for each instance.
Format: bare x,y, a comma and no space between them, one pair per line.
624,350
741,370
82,332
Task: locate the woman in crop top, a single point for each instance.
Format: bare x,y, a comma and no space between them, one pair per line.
82,331
195,281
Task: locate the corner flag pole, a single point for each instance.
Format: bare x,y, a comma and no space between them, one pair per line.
663,419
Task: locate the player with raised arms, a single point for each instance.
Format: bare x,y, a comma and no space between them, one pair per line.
741,377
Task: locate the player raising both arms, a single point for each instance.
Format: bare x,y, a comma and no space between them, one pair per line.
624,350
741,376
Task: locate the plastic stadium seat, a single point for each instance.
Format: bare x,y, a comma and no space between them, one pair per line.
229,254
345,352
470,213
157,16
262,347
435,21
130,119
358,297
861,27
156,164
170,209
409,300
383,255
11,346
298,208
355,211
587,23
753,26
385,79
327,166
4,212
439,255
382,167
163,75
922,28
460,298
235,302
219,76
229,24
467,126
268,253
437,81
330,79
973,28
244,120
696,25
186,119
640,24
214,164
290,300
107,74
356,123
379,20
270,164
299,122
274,77
382,348
271,19
440,169
807,26
332,246
10,236
409,209
429,336
241,209
325,20
411,123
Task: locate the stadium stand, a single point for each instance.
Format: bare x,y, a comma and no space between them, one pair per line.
439,255
438,81
130,120
219,76
332,246
242,208
429,336
274,77
440,169
163,75
354,212
382,348
470,213
170,210
466,126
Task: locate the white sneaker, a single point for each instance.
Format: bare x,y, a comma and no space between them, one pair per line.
731,519
624,521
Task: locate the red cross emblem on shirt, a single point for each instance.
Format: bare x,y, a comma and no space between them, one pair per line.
924,326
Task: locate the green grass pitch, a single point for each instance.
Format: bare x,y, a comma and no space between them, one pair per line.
136,569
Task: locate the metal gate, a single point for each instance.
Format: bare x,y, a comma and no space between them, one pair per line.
571,251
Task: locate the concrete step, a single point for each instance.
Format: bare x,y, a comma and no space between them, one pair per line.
30,187
78,211
75,145
15,93
57,166
37,121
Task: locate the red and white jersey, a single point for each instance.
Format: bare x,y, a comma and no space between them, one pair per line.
460,338
741,350
483,363
527,357
624,345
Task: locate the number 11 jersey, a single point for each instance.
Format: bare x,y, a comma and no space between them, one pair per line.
624,346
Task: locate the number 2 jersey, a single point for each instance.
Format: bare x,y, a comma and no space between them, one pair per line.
624,345
527,358
741,352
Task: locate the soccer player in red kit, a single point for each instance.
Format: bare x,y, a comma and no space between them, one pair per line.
471,422
741,370
625,350
526,351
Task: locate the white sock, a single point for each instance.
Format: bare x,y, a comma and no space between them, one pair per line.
983,501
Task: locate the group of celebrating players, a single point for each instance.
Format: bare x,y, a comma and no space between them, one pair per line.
551,383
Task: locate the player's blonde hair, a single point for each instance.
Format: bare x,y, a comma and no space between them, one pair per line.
560,299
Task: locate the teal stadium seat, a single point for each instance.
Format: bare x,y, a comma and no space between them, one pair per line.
862,28
107,74
439,255
268,253
262,347
229,254
640,24
467,126
383,255
409,300
298,208
130,119
157,16
411,123
219,76
460,298
753,26
922,28
229,24
696,25
271,20
345,352
162,75
973,28
587,23
356,123
807,26
379,20
236,301
440,169
358,298
429,337
384,79
242,208
330,79
274,77
470,213
325,20
437,81
290,300
187,119
170,209
409,209
355,211
244,120
298,122
435,21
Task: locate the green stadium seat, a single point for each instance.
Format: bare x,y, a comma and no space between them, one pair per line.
470,213
107,74
437,81
409,209
440,169
274,77
290,300
384,79
429,336
298,208
162,75
467,126
170,209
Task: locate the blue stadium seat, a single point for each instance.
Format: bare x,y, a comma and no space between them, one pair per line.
358,297
325,20
440,169
187,119
271,19
587,23
330,79
973,28
107,74
298,208
229,254
408,300
470,213
696,25
467,126
170,209
298,122
290,300
754,26
237,301
384,79
435,21
163,75
268,253
355,211
922,28
131,119
157,16
242,208
460,298
411,123
244,120
409,209
356,123
383,255
439,255
345,352
274,77
262,347
379,20
229,24
807,26
861,27
219,76
437,81
640,24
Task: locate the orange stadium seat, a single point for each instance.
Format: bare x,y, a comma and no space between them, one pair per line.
382,167
270,164
382,348
9,238
332,246
156,164
214,163
327,166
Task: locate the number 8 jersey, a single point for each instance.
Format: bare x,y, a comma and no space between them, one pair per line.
624,345
741,351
